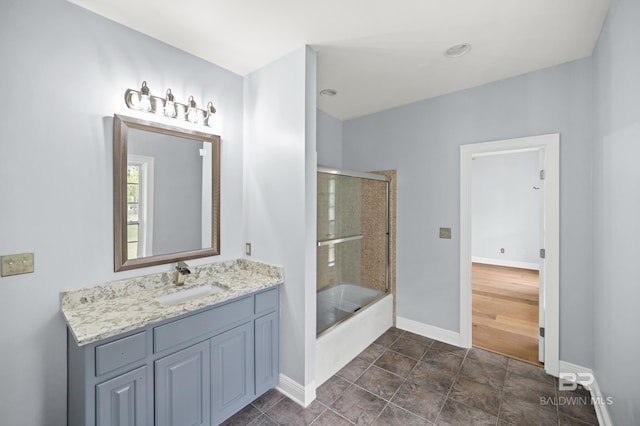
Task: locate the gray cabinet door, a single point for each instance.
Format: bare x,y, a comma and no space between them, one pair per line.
231,371
182,387
122,400
267,345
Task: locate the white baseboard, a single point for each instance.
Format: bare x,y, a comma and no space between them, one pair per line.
503,262
599,401
301,395
426,330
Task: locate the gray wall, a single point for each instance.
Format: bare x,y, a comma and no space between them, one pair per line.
329,140
177,182
505,209
422,141
64,74
279,182
616,206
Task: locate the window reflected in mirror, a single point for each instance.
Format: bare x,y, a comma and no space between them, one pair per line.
166,193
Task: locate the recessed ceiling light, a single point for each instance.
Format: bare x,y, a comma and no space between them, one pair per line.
328,92
457,50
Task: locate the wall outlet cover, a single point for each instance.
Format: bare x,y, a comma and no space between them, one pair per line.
15,264
445,233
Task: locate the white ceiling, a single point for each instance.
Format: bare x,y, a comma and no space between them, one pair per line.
377,54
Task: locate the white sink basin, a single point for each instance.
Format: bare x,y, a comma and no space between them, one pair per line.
189,294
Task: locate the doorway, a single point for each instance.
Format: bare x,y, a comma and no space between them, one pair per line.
506,206
548,147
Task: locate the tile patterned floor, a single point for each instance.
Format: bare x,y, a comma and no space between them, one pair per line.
406,379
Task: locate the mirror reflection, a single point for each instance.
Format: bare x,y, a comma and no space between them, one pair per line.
169,180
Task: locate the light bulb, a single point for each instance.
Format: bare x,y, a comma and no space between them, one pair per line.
145,97
210,111
169,105
192,114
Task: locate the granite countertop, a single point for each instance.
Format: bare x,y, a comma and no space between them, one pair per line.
105,310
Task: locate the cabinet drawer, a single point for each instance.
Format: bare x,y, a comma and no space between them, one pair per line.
202,324
119,353
267,301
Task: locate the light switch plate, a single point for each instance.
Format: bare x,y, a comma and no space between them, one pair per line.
445,233
247,249
15,264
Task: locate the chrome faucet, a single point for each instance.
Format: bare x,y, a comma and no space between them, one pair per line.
181,274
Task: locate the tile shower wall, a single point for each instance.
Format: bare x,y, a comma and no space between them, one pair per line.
373,262
361,208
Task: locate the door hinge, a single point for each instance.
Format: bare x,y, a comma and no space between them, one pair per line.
541,331
542,175
543,253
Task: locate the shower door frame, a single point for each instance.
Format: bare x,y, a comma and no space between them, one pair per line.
369,176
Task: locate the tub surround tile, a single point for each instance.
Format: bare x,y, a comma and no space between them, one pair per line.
100,311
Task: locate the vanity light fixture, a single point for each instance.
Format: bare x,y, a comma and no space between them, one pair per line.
143,100
145,97
210,111
192,112
169,105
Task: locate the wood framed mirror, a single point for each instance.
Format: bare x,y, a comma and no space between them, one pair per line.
166,193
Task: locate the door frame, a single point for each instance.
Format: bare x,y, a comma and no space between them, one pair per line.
550,145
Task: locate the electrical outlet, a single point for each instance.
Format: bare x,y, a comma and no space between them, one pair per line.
445,233
15,264
247,249
502,250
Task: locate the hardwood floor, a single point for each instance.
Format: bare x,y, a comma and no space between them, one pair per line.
505,311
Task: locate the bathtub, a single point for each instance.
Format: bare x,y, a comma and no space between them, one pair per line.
341,300
339,344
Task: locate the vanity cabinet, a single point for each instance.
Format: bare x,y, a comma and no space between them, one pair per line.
232,358
182,383
196,369
122,400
